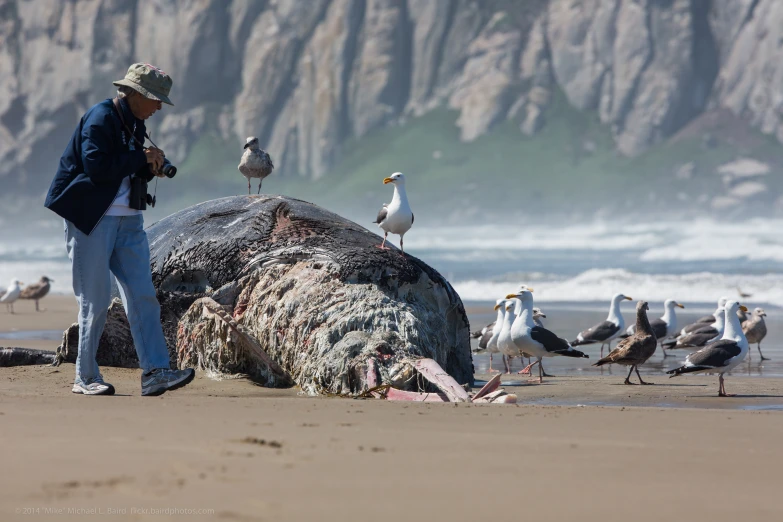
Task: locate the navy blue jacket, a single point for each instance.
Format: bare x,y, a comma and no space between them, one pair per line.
93,165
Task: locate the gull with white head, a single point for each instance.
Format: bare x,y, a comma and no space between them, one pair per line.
526,337
11,295
605,331
397,216
722,355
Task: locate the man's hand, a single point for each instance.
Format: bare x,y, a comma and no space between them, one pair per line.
154,159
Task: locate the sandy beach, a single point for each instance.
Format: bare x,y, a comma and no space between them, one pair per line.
582,447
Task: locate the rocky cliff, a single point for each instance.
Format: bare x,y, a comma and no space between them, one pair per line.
305,76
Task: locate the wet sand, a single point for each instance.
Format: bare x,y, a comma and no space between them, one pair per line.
243,452
59,312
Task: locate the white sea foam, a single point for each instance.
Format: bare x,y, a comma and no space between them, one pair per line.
601,284
696,240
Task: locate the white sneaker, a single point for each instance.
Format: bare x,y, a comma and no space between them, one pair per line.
94,388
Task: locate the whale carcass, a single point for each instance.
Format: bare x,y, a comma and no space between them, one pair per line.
285,292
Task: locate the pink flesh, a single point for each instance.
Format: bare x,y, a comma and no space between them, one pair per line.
432,371
491,386
372,376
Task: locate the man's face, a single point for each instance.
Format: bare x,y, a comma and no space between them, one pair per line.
142,107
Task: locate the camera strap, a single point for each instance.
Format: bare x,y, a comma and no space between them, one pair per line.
129,135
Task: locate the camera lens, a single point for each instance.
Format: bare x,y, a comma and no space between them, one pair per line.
168,169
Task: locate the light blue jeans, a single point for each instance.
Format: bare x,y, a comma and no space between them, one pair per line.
118,245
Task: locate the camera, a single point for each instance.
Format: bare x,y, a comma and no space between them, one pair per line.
168,169
139,199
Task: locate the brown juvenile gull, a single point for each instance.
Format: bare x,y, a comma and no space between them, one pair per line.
397,216
37,290
664,327
636,349
255,163
755,329
11,295
605,331
722,355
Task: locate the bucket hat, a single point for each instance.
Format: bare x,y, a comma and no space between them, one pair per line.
149,81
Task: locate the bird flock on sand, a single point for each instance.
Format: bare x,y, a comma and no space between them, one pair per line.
35,291
718,342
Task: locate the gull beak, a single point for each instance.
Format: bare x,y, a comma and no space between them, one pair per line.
497,306
387,180
678,304
246,145
530,290
543,315
743,308
628,298
512,296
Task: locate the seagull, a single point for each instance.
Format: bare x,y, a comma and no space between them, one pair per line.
701,336
255,163
537,315
755,329
11,295
707,319
395,217
636,349
722,355
489,335
37,290
666,326
529,338
504,342
607,330
742,294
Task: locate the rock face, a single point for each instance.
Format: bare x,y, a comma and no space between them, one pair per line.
306,76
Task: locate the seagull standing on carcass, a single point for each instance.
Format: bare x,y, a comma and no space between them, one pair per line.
397,216
255,163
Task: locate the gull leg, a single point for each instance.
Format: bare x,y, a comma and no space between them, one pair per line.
490,365
383,245
541,365
526,369
402,248
259,186
507,364
722,388
602,350
248,186
36,306
540,371
628,379
640,377
761,354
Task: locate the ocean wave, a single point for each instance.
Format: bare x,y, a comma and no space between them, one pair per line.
696,240
601,284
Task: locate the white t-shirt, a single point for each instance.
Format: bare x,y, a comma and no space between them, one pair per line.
119,206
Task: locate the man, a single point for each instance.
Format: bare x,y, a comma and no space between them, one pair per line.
105,236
